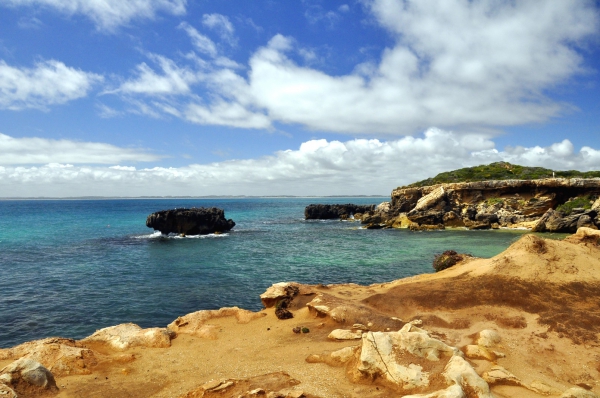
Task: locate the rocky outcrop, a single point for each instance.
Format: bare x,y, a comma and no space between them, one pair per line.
29,377
194,221
330,212
126,335
494,204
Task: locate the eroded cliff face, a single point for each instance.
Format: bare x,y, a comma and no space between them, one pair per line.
493,204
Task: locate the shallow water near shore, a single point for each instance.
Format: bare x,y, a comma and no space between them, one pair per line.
70,267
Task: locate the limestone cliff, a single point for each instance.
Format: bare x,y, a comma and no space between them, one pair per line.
503,203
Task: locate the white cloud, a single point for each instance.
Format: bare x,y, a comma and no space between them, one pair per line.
49,83
456,64
173,80
108,14
317,167
201,42
19,151
222,25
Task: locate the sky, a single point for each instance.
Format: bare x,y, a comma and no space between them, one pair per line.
304,97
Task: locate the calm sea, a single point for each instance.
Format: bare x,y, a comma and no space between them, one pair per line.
70,267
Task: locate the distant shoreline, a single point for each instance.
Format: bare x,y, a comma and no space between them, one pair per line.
187,197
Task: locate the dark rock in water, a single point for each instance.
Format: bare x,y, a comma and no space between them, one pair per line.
194,221
329,212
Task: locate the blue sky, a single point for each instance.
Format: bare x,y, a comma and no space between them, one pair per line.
234,97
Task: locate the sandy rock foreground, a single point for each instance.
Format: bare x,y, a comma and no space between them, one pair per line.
522,324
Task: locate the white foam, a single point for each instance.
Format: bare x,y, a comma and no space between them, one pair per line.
158,235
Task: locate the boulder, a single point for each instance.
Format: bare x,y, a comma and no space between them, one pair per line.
28,375
127,335
344,334
194,221
428,217
330,212
61,356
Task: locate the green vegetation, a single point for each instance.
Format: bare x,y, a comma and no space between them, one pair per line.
501,171
583,202
494,201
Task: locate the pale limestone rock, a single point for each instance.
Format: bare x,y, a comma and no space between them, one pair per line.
378,358
28,371
543,388
417,341
195,323
488,338
499,375
430,199
335,358
577,392
479,352
61,356
596,205
459,371
344,334
127,335
383,207
7,392
277,292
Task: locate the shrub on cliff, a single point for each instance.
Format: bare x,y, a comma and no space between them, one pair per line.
584,202
446,260
502,171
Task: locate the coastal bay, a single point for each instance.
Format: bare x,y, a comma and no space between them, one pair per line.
69,267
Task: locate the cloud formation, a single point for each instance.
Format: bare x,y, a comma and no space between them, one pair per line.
456,64
317,167
109,14
49,83
20,151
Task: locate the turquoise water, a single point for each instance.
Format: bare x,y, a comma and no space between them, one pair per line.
69,267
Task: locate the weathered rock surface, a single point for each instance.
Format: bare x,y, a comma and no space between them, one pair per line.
329,212
196,322
29,376
61,356
194,221
126,335
344,334
577,392
6,391
491,204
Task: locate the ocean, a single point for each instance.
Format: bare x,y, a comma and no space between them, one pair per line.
70,267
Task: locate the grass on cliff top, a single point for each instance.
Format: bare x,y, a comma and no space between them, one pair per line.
501,171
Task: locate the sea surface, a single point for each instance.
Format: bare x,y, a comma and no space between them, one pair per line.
70,267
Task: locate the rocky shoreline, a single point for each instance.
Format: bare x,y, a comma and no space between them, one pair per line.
545,205
524,323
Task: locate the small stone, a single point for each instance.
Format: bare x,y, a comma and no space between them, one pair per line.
296,330
257,391
499,375
211,385
488,338
478,352
305,330
359,326
344,334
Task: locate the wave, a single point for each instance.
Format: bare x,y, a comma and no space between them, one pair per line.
158,235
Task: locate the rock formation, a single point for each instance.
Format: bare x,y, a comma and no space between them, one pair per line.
492,204
329,212
194,221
